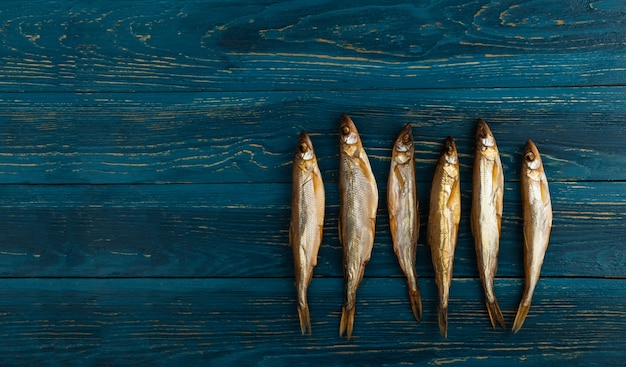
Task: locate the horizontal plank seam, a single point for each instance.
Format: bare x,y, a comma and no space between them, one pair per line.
212,91
330,182
288,278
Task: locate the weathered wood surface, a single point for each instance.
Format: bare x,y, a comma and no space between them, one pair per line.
216,322
224,230
249,137
145,172
303,45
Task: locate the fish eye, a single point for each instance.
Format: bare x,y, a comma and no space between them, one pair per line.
483,132
530,156
449,149
345,130
303,147
406,139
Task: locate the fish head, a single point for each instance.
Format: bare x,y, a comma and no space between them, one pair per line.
532,160
348,134
403,148
304,150
449,151
484,137
349,139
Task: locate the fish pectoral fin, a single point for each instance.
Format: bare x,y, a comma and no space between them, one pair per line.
454,201
545,192
399,177
365,168
498,201
373,222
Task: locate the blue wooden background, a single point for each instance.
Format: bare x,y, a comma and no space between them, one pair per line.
145,177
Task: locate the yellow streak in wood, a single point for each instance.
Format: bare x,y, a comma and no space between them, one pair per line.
32,37
13,253
124,253
350,46
314,56
481,10
439,362
559,22
466,43
125,164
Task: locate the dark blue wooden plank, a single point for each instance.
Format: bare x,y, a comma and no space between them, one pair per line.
102,108
216,322
302,45
250,137
241,231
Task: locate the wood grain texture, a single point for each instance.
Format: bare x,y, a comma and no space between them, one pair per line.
250,137
161,322
303,45
145,159
241,231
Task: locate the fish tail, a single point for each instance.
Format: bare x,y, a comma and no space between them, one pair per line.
416,303
347,321
305,319
522,311
443,320
495,313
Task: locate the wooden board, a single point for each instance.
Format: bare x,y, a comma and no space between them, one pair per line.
160,322
145,177
225,230
250,137
240,45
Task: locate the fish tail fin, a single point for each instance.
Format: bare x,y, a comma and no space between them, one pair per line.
522,311
443,320
347,321
305,319
495,313
416,303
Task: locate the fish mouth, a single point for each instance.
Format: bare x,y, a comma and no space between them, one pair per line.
449,150
484,136
531,155
347,130
305,147
405,139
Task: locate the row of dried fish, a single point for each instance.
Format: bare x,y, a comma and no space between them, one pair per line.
359,203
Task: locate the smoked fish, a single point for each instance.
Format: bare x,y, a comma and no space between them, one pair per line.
358,195
403,208
443,224
487,194
307,221
537,212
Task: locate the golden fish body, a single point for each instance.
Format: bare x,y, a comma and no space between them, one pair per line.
307,220
487,194
358,204
443,224
537,211
402,205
